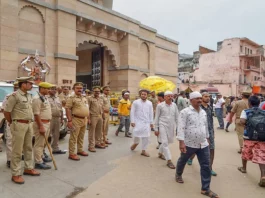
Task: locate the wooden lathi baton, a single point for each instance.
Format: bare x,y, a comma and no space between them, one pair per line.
50,150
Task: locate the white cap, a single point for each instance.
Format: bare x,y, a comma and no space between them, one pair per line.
195,94
168,93
126,93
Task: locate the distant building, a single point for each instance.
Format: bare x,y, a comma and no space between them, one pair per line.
237,64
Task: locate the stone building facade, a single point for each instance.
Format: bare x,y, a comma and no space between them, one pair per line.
83,40
238,64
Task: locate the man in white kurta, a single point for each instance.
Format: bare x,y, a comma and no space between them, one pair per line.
142,121
165,126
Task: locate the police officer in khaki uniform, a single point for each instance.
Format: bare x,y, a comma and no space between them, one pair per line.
77,113
106,108
237,109
96,111
57,119
88,93
8,135
41,126
19,115
65,94
154,100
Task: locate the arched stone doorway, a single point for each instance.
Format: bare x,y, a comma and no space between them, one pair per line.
93,63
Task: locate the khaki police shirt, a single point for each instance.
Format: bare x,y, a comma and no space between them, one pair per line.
154,102
239,106
63,97
95,106
78,105
43,109
106,102
19,104
56,106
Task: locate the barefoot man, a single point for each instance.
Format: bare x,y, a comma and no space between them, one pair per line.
142,121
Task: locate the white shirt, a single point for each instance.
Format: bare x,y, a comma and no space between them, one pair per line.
193,128
166,120
243,115
219,103
142,116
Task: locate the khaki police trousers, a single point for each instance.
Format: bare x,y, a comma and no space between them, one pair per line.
55,132
105,128
77,135
8,137
40,141
240,132
95,131
21,141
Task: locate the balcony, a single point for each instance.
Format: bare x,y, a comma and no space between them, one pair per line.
243,54
252,68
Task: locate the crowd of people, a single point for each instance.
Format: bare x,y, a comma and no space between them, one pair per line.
167,115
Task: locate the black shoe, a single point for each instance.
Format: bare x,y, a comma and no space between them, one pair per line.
45,155
42,166
129,133
8,164
226,130
58,152
47,159
220,128
121,131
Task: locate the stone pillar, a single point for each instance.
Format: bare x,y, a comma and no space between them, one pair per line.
66,46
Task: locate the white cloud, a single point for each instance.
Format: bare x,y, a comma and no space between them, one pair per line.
199,22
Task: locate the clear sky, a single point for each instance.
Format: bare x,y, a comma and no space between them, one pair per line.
199,22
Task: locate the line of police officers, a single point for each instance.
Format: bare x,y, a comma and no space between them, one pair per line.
42,114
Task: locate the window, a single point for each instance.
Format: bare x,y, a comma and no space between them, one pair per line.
250,51
246,50
241,48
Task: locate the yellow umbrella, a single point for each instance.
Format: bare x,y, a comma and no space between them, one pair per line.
170,86
155,83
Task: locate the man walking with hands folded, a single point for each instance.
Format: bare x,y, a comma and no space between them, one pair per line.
165,126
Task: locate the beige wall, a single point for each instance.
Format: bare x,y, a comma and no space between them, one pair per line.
220,66
26,27
31,29
165,61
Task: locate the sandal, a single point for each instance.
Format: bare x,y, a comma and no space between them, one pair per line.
145,154
209,193
179,179
170,165
133,147
242,170
117,133
161,156
262,182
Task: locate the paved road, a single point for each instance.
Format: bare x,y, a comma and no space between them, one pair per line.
117,172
